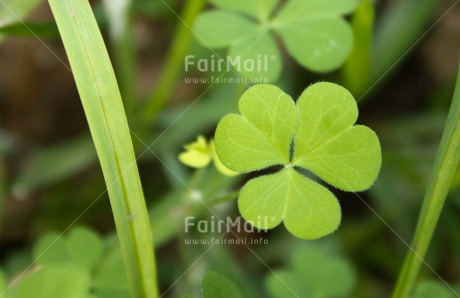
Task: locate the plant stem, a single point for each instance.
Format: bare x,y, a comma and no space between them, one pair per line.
174,62
3,192
444,169
104,110
357,69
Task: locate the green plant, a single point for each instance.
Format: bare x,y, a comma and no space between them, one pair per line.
320,128
314,33
431,288
442,174
315,274
106,117
216,285
81,260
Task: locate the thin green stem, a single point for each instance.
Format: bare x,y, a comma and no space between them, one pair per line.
174,62
2,188
444,169
357,69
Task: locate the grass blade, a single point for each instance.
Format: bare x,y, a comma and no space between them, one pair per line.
444,169
104,110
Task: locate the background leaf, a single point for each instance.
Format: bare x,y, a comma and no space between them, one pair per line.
81,247
430,289
320,45
299,11
259,56
315,33
314,274
84,247
216,285
219,28
53,282
260,9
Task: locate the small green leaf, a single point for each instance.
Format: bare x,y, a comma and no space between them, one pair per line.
219,28
110,279
3,282
51,249
315,33
300,10
309,210
321,45
262,136
53,282
430,289
327,143
84,247
216,285
313,274
260,9
81,247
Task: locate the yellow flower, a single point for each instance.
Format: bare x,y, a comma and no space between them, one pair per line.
199,154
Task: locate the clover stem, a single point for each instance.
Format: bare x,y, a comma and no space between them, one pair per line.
444,168
357,69
174,61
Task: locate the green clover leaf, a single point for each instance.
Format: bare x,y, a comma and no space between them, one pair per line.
313,31
81,246
54,281
313,274
215,285
434,288
325,141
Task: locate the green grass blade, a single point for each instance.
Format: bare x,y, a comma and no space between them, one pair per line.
42,30
400,28
444,169
103,106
